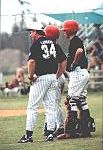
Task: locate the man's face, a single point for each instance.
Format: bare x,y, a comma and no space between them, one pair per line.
33,34
67,33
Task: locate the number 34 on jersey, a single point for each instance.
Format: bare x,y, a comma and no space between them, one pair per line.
48,51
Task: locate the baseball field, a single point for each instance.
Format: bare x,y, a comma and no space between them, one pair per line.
12,126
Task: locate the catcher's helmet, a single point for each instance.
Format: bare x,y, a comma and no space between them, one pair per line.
52,31
70,25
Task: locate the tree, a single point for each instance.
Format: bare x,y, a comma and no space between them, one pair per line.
4,38
22,23
15,28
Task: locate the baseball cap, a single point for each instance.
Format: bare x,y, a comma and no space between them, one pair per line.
35,26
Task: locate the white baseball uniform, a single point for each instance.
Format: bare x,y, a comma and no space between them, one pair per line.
60,116
47,55
78,80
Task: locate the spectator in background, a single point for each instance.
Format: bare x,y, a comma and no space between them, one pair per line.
95,34
17,79
100,41
12,83
17,83
97,31
20,75
95,56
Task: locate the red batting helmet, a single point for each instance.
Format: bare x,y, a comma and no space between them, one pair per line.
70,25
52,31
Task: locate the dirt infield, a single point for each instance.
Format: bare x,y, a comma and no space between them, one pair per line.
6,113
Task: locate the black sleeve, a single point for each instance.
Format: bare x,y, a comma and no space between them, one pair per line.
79,44
33,52
60,54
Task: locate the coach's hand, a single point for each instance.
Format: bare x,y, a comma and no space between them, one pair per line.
32,79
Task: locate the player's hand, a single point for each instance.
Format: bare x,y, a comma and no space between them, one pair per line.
57,77
32,79
72,67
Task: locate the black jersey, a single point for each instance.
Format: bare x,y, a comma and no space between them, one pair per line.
47,55
76,43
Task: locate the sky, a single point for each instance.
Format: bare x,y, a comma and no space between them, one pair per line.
12,7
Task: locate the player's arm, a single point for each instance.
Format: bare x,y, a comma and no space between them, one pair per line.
61,68
78,55
31,68
62,61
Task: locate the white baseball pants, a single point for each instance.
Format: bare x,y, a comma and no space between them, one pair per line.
43,89
78,81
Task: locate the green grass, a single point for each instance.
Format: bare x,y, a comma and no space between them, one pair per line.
12,128
15,102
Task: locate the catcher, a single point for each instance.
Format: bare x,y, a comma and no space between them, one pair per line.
77,94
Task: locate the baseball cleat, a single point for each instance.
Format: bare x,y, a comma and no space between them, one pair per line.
25,139
49,138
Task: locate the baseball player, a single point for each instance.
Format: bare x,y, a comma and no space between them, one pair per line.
53,33
78,78
45,64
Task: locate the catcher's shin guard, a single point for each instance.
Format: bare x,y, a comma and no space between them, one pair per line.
70,127
71,124
87,123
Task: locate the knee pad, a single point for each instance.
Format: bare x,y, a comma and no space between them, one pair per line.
71,123
73,127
